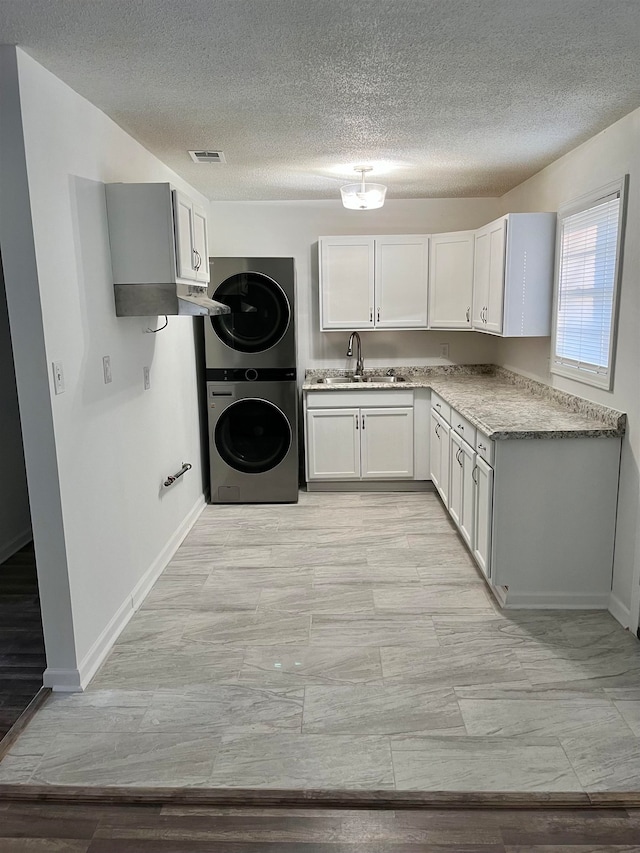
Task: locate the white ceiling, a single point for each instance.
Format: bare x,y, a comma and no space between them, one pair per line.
452,97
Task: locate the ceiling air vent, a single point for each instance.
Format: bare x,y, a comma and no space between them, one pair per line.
207,156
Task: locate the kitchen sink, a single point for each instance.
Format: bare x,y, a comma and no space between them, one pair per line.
349,380
335,380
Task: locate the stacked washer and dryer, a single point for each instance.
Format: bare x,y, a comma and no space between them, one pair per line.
252,392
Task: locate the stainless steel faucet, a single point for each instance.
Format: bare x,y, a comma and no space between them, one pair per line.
359,371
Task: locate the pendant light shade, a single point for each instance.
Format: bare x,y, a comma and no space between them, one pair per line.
363,196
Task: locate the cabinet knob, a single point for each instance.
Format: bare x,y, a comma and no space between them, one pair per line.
437,405
461,427
481,447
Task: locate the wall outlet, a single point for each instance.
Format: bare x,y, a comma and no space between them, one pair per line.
106,368
147,378
58,377
444,350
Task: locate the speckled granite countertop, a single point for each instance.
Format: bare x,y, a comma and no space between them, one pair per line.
502,404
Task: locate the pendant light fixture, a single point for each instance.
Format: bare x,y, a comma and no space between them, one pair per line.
363,196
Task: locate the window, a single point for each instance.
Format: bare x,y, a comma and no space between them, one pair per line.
589,253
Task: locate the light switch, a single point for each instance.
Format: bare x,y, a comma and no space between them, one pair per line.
106,368
58,377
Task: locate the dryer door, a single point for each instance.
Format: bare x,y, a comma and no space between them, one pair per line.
253,436
260,312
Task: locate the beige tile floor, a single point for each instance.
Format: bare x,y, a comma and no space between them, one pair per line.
347,641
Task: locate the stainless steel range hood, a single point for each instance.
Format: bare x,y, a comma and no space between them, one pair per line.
148,300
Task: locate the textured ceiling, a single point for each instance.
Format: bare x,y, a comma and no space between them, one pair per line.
451,97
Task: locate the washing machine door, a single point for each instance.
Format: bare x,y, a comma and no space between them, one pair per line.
260,312
252,436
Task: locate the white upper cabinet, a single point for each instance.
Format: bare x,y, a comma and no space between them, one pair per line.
192,254
401,271
157,235
200,244
513,275
346,282
373,282
451,280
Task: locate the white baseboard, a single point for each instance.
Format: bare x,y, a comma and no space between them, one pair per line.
8,549
141,589
556,601
618,610
75,680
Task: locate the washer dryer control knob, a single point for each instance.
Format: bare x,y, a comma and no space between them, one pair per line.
251,374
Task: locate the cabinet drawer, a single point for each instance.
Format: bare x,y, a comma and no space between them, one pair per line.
338,399
462,426
442,408
485,447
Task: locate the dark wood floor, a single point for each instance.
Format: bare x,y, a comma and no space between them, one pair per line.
27,827
22,659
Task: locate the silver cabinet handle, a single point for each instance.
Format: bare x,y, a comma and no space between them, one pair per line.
357,421
363,422
371,315
473,474
378,315
468,314
437,433
195,259
458,455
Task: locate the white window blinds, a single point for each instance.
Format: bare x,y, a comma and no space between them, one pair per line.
586,287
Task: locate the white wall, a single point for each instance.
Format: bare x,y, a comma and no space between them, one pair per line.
15,520
291,229
112,445
608,155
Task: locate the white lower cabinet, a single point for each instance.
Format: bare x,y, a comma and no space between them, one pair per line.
439,455
482,475
462,487
386,443
333,444
365,443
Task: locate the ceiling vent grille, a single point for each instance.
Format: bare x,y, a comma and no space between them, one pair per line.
207,156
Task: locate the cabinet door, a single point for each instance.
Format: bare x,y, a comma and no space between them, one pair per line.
401,282
451,280
483,478
456,471
467,461
333,444
495,301
183,218
346,282
481,278
435,437
386,439
200,244
440,456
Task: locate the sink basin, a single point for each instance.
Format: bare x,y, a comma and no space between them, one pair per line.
385,379
335,380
